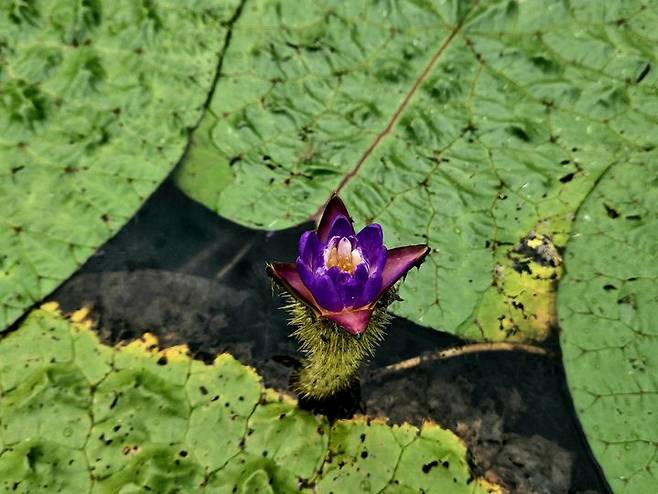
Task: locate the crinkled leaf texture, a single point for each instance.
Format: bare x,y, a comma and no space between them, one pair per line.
78,416
608,306
96,101
478,129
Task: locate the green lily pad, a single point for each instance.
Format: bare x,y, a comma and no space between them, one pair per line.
96,102
608,305
477,127
78,416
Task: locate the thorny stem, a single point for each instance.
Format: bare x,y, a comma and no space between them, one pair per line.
332,356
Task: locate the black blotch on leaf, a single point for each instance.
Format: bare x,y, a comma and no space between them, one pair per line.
567,178
519,133
643,74
364,454
545,64
611,212
162,360
609,287
522,267
428,466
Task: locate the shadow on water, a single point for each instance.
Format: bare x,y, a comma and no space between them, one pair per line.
181,272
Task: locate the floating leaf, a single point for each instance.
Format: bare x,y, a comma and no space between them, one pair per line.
477,127
608,304
96,101
78,416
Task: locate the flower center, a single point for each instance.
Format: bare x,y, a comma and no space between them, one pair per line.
341,255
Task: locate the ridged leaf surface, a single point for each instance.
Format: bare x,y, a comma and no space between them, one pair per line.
96,101
608,305
79,416
477,127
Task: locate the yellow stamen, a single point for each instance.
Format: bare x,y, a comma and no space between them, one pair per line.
343,257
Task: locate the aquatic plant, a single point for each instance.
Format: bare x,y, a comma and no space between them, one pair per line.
517,137
138,418
340,287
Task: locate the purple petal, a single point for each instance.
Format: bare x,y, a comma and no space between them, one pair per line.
377,261
361,273
399,261
337,276
354,322
325,293
370,240
308,247
286,275
341,227
305,273
372,289
351,287
318,258
334,208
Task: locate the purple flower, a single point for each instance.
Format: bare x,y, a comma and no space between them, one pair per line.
342,274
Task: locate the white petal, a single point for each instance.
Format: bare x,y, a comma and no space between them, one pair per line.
344,248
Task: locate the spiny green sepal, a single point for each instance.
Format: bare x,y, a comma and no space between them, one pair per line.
333,356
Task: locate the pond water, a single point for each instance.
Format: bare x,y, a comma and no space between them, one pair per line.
181,272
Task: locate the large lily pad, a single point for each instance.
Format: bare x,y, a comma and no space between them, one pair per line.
608,305
78,416
478,127
96,101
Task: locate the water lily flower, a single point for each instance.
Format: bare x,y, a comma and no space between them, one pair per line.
341,274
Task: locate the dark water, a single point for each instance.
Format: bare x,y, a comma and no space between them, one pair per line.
183,273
